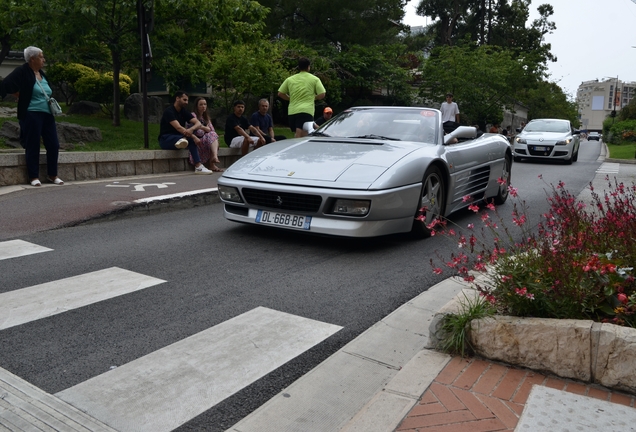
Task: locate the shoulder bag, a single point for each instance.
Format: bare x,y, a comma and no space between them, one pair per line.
55,107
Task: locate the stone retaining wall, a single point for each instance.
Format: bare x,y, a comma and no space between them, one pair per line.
78,166
579,349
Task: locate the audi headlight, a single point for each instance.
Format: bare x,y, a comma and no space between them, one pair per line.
564,142
521,140
231,194
351,207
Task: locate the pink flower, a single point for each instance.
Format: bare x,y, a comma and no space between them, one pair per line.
490,206
622,298
467,198
513,191
501,181
437,271
473,207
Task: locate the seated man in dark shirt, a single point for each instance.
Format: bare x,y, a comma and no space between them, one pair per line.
176,130
263,121
236,128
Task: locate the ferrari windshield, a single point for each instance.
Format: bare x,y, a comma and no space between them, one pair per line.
547,126
417,124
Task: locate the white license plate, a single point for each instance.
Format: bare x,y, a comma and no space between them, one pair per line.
283,219
537,148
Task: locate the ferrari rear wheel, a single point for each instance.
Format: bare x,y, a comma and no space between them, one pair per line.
431,203
506,174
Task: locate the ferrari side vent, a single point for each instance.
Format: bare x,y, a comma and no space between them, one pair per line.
476,181
283,200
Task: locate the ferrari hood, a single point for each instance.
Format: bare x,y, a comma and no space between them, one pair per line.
321,160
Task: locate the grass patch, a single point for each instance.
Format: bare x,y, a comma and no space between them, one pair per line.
456,326
623,151
128,136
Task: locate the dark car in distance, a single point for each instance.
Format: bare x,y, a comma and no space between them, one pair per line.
594,136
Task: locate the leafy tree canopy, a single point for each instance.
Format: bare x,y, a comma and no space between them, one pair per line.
547,100
342,24
484,80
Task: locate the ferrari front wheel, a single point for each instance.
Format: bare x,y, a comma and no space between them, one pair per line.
431,203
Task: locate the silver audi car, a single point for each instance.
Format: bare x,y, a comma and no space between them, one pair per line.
369,171
547,139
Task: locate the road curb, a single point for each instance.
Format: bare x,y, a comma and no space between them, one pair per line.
152,205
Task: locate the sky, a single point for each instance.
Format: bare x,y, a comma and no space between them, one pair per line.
594,39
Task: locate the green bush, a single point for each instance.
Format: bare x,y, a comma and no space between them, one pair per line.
99,87
620,131
64,76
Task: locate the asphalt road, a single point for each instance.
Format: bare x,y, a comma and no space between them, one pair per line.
215,270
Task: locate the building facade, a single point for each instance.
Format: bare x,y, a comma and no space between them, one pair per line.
597,99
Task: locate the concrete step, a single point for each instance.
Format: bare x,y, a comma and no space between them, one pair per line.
82,166
24,407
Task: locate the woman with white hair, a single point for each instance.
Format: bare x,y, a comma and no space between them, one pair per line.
29,85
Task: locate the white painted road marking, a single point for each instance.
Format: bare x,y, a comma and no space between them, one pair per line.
18,248
166,388
140,186
51,298
608,168
175,195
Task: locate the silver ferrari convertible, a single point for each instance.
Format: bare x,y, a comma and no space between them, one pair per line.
369,171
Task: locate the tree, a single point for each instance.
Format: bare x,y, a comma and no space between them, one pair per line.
341,24
247,69
484,80
183,38
547,100
448,15
492,22
363,70
13,16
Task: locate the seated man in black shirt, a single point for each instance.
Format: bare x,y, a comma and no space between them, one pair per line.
176,127
236,130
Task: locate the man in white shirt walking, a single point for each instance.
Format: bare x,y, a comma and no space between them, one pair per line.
450,114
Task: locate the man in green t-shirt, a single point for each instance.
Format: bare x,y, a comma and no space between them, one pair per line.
301,90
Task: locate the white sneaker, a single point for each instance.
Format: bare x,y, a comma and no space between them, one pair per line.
182,143
202,170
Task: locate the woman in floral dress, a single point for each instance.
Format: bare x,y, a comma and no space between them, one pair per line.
208,139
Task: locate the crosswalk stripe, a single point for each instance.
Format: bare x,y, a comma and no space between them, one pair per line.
51,298
166,388
18,248
608,168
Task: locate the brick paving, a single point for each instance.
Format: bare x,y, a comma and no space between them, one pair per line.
476,395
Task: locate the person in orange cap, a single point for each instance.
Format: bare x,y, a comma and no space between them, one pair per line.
327,113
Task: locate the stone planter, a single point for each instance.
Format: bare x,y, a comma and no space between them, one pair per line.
578,349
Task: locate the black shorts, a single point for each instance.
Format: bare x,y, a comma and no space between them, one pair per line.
296,121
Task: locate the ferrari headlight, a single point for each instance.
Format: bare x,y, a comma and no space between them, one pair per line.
228,193
351,207
564,142
521,140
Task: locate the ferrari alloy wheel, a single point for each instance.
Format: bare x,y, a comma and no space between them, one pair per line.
506,174
431,204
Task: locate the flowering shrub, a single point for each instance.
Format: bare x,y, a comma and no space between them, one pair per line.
577,264
629,135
